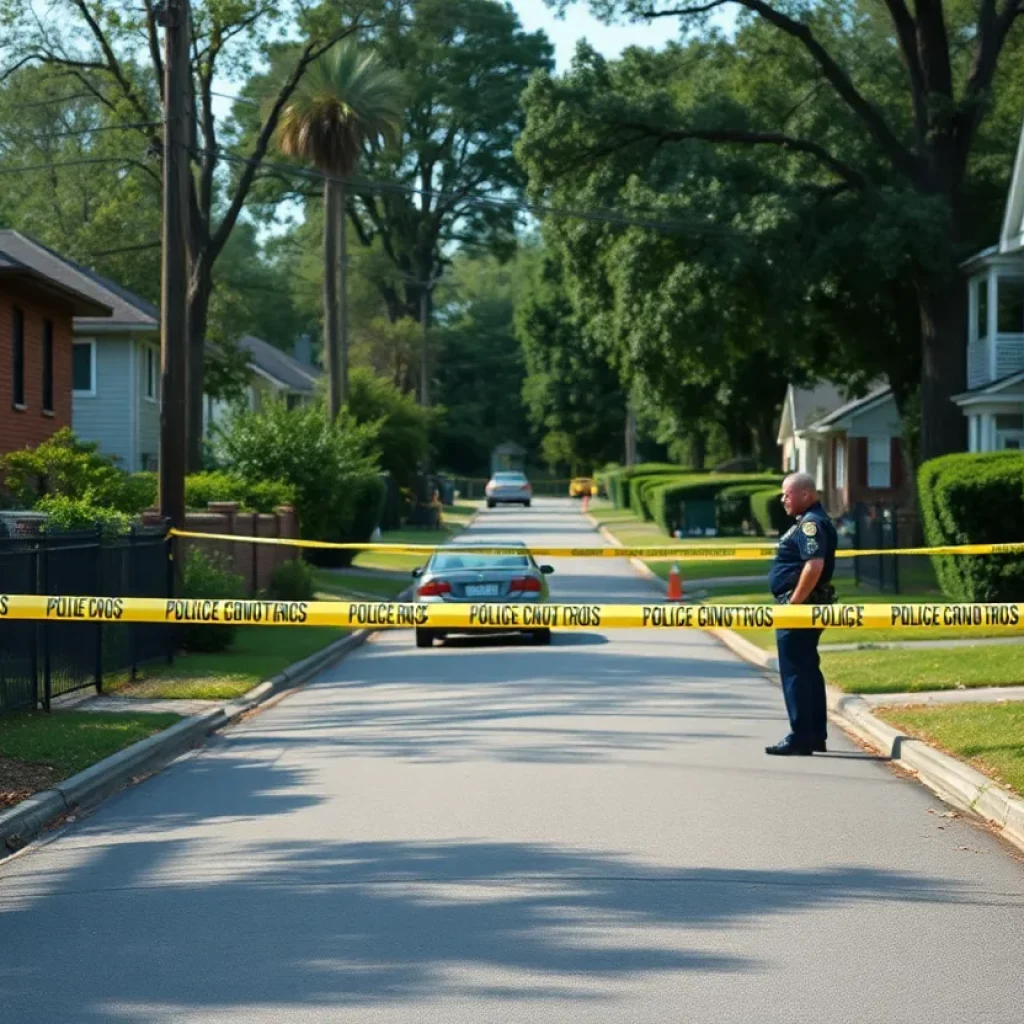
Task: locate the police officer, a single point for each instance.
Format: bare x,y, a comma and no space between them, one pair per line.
802,574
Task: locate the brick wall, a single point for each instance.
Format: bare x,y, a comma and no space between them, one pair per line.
21,428
255,563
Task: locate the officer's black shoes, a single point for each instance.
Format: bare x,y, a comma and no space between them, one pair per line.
789,748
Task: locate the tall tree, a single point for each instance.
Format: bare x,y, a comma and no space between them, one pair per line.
347,100
920,141
465,64
111,50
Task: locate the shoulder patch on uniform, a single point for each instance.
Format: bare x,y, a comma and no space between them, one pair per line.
809,528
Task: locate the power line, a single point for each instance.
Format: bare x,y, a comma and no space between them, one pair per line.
57,164
72,133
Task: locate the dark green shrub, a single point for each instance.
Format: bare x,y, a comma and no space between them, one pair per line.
975,499
251,496
293,580
766,508
137,493
208,576
68,514
733,512
332,468
669,501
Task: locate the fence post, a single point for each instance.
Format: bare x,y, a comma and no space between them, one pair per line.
99,625
896,547
857,544
133,629
47,675
37,633
255,555
172,551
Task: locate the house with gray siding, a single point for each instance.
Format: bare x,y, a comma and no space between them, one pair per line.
116,361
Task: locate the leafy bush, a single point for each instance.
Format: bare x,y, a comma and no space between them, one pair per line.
208,576
402,425
617,481
61,465
67,514
768,512
668,501
733,509
252,496
138,492
975,499
293,580
332,468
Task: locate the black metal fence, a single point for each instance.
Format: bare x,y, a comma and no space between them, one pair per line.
882,528
43,660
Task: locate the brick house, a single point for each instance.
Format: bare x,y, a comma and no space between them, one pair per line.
36,352
852,447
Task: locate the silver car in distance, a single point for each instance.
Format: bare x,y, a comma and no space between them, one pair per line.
508,489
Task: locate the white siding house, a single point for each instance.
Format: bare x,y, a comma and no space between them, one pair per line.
115,377
994,401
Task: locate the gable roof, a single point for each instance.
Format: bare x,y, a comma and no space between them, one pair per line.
874,397
282,367
1011,238
12,269
127,310
807,405
992,388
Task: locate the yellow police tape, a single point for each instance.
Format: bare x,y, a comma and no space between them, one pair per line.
462,616
680,553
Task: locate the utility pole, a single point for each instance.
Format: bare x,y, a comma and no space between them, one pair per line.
174,16
630,436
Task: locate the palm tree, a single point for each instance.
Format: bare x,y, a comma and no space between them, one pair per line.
345,99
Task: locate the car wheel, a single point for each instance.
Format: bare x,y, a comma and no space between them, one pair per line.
526,504
424,638
491,504
542,637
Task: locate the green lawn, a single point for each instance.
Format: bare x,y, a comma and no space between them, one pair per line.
455,520
258,653
988,736
913,671
69,741
335,586
635,533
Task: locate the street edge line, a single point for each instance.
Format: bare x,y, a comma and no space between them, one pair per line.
954,782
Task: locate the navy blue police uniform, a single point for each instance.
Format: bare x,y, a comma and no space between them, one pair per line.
803,685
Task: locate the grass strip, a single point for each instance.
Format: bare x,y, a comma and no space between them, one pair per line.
259,652
990,737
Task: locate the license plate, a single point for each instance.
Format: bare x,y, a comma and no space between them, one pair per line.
481,590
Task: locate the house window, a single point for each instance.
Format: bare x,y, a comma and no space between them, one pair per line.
150,463
292,401
83,371
151,373
18,369
879,462
1011,306
840,467
1009,431
981,290
48,366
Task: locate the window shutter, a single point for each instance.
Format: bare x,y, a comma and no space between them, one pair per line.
896,461
859,460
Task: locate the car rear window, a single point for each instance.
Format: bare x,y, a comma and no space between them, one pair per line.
509,478
448,562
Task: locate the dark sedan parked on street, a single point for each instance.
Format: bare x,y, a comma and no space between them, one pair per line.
456,574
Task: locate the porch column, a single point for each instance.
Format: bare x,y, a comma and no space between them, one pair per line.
993,323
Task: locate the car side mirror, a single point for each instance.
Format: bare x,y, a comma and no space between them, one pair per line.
547,569
418,572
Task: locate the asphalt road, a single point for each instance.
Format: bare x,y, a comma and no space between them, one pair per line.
493,832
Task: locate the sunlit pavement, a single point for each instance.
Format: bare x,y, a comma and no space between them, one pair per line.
491,831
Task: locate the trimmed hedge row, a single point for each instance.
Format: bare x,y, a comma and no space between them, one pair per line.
975,499
767,511
618,481
668,502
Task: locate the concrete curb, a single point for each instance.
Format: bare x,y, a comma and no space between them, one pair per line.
86,789
951,780
23,822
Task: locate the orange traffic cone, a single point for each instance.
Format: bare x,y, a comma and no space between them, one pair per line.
675,585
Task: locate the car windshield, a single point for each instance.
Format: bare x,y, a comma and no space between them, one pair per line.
448,561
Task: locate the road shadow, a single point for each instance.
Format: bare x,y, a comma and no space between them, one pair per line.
290,924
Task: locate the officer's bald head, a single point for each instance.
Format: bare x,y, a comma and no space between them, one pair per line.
799,493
